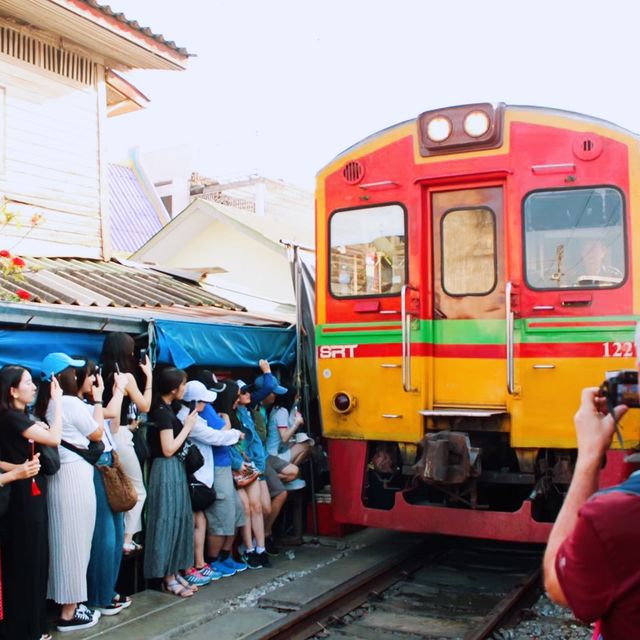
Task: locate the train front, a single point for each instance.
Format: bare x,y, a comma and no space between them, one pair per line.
474,273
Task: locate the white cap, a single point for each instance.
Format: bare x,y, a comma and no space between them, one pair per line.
195,390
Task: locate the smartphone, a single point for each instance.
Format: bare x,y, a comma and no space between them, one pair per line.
97,372
192,405
143,356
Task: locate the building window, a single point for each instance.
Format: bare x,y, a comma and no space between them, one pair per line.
574,238
468,252
368,251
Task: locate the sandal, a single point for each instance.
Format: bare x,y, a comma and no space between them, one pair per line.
123,601
184,583
176,589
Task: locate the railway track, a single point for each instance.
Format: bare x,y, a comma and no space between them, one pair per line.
453,589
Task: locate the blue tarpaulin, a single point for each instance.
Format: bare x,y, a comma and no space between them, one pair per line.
28,348
179,343
187,343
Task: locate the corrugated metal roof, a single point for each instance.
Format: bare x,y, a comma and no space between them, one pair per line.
135,25
84,282
133,218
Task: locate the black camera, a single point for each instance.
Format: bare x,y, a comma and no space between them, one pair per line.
621,387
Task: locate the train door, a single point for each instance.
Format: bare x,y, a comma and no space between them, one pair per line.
469,355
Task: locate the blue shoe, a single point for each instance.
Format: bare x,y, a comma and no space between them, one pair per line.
233,564
222,568
194,577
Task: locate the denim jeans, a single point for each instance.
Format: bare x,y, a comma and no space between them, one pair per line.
106,545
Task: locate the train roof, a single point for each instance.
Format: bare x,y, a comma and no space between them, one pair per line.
551,110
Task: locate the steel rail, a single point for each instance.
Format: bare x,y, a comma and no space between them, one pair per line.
312,618
506,607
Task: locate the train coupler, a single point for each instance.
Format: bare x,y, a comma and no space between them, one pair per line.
448,457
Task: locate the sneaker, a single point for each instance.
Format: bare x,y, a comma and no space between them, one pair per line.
209,572
234,564
263,558
110,610
225,570
193,576
295,484
92,612
252,560
270,547
123,601
83,618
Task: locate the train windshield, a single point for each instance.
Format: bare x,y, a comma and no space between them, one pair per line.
368,251
574,238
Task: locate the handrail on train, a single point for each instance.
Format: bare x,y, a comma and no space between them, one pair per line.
510,342
406,339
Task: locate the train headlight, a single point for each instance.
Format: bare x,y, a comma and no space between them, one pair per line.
342,402
439,129
476,123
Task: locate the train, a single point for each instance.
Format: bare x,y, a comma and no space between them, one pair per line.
474,271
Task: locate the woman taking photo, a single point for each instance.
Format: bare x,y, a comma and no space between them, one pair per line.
118,353
169,540
71,498
25,546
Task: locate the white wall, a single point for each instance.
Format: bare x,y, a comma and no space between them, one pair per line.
51,163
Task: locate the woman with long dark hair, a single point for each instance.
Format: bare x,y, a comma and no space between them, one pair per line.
25,546
249,451
169,540
106,545
71,498
118,352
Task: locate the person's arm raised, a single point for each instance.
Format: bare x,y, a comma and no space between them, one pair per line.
594,430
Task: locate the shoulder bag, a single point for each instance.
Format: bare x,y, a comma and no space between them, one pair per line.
49,459
246,477
91,454
201,495
190,455
120,491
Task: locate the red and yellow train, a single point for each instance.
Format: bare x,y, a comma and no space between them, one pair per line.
474,272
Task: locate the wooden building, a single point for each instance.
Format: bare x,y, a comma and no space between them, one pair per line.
58,84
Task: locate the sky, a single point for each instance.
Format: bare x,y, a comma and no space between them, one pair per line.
280,87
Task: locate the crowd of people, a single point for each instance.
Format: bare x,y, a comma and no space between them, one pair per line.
220,455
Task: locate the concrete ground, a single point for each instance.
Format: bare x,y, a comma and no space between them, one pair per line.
234,607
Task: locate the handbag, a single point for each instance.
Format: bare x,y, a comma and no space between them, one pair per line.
49,459
201,495
191,456
246,477
121,493
91,454
141,444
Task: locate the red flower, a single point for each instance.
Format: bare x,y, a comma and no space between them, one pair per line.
4,254
23,295
17,262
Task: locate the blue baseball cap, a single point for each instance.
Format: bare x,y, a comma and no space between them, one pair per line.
273,385
54,363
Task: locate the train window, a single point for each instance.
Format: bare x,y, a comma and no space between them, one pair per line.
468,251
368,251
574,238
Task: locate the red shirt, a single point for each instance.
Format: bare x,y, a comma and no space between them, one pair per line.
598,565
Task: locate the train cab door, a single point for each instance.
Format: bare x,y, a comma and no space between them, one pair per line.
469,355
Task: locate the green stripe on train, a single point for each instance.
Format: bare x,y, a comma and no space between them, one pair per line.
481,331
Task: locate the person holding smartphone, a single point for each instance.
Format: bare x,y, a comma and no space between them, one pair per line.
118,357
